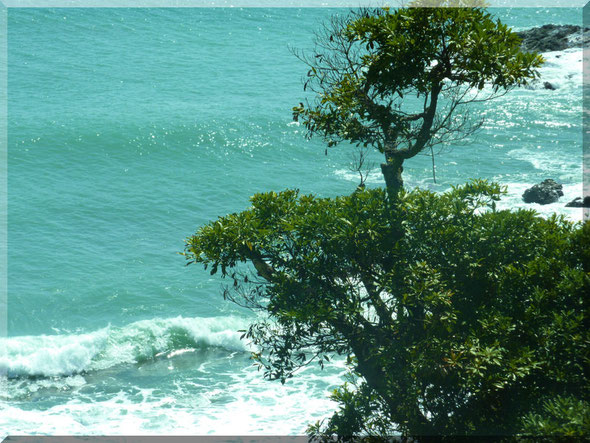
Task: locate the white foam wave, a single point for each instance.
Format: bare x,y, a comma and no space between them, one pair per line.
374,177
563,69
566,168
49,355
513,200
245,404
62,355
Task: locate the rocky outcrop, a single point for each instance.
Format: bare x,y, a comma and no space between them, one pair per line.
579,202
548,191
554,38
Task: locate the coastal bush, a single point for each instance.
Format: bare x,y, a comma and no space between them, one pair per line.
453,317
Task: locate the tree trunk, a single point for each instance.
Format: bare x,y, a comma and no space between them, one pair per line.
370,367
394,157
392,172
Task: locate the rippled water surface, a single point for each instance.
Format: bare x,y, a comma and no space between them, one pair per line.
128,129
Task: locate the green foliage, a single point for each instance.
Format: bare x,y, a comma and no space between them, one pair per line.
399,80
381,76
418,48
455,318
559,416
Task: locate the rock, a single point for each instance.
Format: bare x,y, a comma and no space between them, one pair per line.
548,191
579,203
548,85
554,38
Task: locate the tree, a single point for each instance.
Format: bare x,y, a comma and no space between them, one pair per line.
455,319
400,80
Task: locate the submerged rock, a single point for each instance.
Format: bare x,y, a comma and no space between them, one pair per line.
548,85
554,38
548,191
578,202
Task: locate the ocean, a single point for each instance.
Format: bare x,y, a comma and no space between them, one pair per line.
130,128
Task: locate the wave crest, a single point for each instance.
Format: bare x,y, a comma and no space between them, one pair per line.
63,355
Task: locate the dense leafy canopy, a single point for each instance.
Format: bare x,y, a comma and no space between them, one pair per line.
454,320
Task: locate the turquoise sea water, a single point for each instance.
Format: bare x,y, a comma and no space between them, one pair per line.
130,128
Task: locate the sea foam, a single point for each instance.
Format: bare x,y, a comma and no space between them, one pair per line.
63,355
